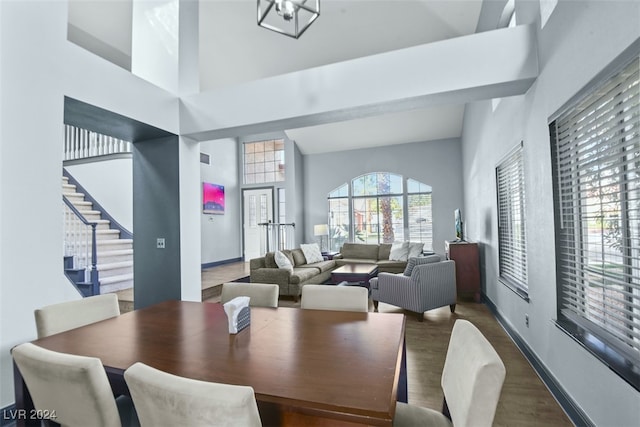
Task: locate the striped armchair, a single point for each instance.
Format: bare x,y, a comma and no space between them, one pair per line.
428,286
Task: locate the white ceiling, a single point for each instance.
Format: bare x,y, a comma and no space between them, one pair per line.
233,50
344,30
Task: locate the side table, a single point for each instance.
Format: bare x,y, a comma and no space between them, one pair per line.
465,255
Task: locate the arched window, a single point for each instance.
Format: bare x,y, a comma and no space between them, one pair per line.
380,207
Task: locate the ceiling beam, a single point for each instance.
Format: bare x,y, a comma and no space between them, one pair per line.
480,66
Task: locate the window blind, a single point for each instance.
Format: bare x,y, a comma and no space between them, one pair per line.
596,154
512,238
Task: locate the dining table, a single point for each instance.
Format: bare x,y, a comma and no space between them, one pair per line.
307,367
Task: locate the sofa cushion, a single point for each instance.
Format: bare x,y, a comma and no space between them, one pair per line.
283,261
359,250
322,265
392,264
415,249
270,261
302,274
413,261
311,252
298,257
399,251
384,251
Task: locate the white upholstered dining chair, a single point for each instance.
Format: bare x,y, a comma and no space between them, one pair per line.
163,399
472,380
74,389
61,317
340,298
260,294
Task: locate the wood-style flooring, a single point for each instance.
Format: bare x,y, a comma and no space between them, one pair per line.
525,401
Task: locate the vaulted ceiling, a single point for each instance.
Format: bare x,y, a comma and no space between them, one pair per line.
234,50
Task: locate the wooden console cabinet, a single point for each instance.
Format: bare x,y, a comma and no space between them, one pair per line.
465,254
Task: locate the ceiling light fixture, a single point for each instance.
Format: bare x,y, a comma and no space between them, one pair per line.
288,17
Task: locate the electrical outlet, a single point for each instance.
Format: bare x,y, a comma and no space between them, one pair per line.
526,320
160,244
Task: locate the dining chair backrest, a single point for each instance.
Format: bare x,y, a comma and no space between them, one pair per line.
339,298
472,380
472,377
61,317
163,399
73,388
260,294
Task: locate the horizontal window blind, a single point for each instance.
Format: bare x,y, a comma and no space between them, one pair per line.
512,237
596,154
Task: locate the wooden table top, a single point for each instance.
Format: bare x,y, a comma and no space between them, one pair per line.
334,364
356,269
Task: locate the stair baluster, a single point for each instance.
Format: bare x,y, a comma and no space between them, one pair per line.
81,244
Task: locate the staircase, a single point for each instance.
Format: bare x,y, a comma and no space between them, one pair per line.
114,254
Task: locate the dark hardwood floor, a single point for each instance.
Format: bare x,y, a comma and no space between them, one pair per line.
525,400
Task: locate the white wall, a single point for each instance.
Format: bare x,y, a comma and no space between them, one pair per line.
578,41
436,163
37,70
110,183
221,234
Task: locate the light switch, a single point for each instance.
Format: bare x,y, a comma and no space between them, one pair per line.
160,243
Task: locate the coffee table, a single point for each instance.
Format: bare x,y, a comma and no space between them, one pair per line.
359,273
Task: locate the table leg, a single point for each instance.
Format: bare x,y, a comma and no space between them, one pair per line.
403,395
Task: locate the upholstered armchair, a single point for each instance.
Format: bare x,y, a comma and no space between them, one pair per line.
427,283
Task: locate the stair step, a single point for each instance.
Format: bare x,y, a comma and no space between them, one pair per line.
103,224
114,279
116,252
73,195
102,234
115,242
114,265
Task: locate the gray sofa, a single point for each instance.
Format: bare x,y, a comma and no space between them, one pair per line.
265,270
351,253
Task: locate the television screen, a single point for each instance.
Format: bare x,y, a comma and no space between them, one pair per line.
458,223
212,198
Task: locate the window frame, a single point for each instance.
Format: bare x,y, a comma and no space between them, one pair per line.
581,321
269,161
511,212
338,194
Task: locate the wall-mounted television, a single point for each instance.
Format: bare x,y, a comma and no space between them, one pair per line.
212,198
458,224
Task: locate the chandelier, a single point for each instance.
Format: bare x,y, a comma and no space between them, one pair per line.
288,17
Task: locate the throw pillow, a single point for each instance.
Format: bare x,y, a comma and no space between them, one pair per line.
419,261
283,261
415,249
312,252
399,251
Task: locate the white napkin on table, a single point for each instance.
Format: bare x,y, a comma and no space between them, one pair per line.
232,309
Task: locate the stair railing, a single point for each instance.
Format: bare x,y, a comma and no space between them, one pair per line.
81,143
80,243
278,236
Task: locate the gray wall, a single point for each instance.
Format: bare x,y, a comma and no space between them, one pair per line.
295,190
156,213
222,234
436,163
579,40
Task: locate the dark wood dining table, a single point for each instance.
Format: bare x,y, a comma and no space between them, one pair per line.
307,367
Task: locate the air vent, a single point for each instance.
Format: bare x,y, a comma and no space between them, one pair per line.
205,158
